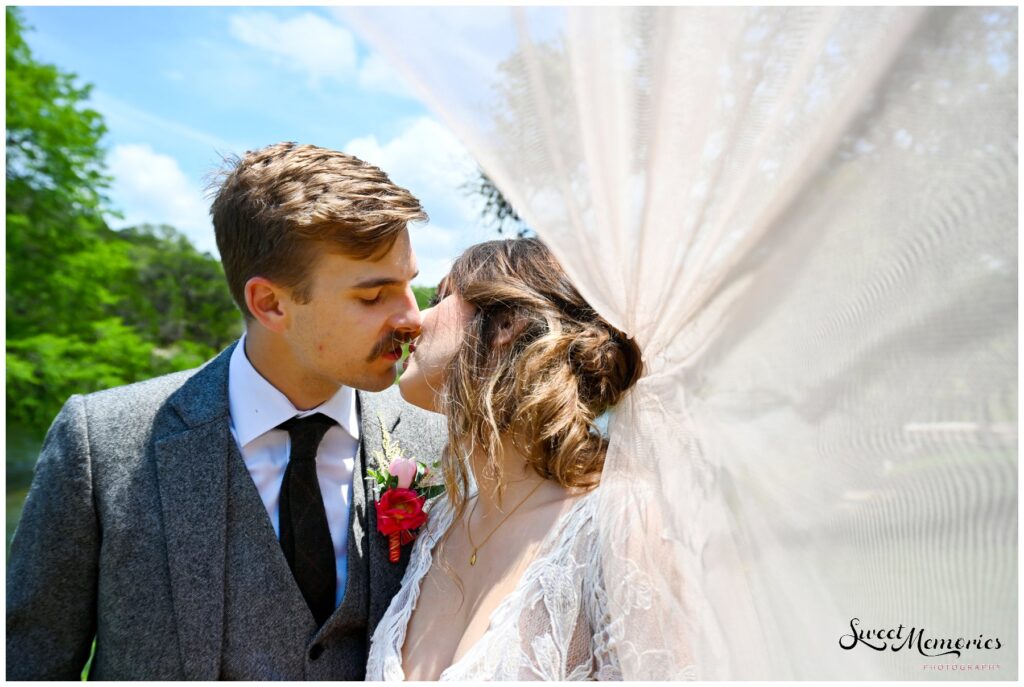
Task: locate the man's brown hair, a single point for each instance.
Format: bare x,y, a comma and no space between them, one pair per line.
276,207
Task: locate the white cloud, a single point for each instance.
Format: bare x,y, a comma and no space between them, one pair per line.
151,188
318,47
427,159
307,43
463,43
377,74
436,247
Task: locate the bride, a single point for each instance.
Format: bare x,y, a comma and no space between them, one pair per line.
503,581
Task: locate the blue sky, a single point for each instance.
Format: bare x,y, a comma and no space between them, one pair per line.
178,86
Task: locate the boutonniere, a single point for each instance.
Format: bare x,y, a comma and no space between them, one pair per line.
401,488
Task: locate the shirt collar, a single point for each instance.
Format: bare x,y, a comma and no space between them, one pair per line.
257,406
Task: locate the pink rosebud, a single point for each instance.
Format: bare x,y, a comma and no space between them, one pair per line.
404,470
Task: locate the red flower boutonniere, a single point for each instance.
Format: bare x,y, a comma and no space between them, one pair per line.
401,486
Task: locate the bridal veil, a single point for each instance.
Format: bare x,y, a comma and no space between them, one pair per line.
806,217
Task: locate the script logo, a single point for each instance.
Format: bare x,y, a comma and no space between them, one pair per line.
893,638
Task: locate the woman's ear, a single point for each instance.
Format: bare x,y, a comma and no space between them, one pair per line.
506,328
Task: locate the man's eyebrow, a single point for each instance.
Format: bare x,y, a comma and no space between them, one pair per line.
380,281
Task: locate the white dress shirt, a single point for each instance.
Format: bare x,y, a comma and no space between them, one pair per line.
257,408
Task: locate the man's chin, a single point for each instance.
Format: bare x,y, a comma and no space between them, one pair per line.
376,383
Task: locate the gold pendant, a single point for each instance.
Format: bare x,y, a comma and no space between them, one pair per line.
472,559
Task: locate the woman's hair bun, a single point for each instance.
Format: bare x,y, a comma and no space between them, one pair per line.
607,361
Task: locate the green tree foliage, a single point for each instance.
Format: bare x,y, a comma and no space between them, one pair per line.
177,294
497,211
88,307
423,295
55,202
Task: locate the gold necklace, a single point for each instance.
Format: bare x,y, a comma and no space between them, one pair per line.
472,559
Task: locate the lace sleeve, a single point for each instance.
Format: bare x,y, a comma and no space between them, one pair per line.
573,622
564,626
544,630
605,664
641,626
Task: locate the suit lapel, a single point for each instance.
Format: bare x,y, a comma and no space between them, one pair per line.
193,500
192,475
371,441
385,577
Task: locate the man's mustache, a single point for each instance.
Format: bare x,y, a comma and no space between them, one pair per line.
391,343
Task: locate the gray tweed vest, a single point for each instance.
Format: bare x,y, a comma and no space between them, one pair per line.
269,632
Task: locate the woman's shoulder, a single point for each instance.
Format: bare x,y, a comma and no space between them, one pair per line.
576,526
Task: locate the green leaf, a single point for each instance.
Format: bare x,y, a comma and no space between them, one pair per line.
431,492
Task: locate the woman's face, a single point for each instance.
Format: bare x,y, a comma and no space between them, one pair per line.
441,334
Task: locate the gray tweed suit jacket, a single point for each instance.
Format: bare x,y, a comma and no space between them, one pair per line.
143,529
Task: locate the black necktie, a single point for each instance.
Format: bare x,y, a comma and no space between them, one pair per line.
305,537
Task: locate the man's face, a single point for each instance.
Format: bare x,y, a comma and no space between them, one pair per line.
351,330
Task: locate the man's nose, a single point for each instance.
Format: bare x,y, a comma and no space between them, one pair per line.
409,317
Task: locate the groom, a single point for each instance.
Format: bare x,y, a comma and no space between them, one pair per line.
214,523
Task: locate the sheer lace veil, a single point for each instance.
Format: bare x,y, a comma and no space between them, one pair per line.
806,217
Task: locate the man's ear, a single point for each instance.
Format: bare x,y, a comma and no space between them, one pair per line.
264,300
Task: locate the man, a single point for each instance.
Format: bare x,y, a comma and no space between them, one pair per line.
215,523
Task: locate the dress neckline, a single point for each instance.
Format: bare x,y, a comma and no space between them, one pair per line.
509,598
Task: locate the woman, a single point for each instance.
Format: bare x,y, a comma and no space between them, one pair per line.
503,582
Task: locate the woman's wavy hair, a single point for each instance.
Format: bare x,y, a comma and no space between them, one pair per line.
562,368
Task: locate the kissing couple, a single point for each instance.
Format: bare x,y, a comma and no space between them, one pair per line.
231,522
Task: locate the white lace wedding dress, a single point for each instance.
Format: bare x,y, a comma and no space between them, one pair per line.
552,626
